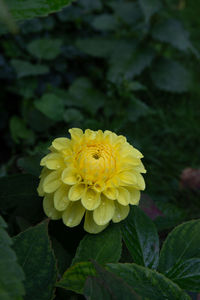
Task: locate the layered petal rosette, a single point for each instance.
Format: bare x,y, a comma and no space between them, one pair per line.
95,175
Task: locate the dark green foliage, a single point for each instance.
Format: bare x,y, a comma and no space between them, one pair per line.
186,274
148,283
105,285
25,68
28,9
51,105
19,194
171,31
74,278
169,75
11,274
182,243
100,247
45,48
141,238
142,280
35,255
150,7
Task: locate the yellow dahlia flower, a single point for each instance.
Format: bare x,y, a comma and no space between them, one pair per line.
96,174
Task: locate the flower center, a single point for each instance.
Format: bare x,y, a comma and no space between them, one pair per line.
95,162
96,156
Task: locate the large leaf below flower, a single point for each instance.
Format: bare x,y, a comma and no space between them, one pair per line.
186,274
182,243
100,247
148,283
74,278
106,286
36,257
141,238
11,274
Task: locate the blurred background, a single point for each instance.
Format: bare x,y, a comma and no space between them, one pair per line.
131,67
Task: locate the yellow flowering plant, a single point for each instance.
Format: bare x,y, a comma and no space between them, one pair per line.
94,174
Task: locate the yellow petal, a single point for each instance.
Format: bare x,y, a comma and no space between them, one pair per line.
89,224
73,214
111,193
76,133
90,134
49,209
130,160
140,181
104,213
140,168
52,161
52,182
136,153
123,197
118,141
69,176
91,199
134,196
127,178
99,186
61,200
76,191
121,212
61,143
43,174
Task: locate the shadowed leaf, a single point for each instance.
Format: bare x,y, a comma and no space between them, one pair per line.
35,255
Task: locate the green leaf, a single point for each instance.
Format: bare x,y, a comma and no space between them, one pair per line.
150,7
141,238
35,255
85,95
15,190
171,76
96,46
94,289
105,22
45,48
99,247
128,12
63,258
105,285
6,18
72,114
171,31
11,274
30,164
19,131
136,86
28,9
51,106
74,278
25,68
147,283
137,109
181,244
186,274
131,65
90,5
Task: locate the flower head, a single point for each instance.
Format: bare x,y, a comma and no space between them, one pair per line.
96,174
